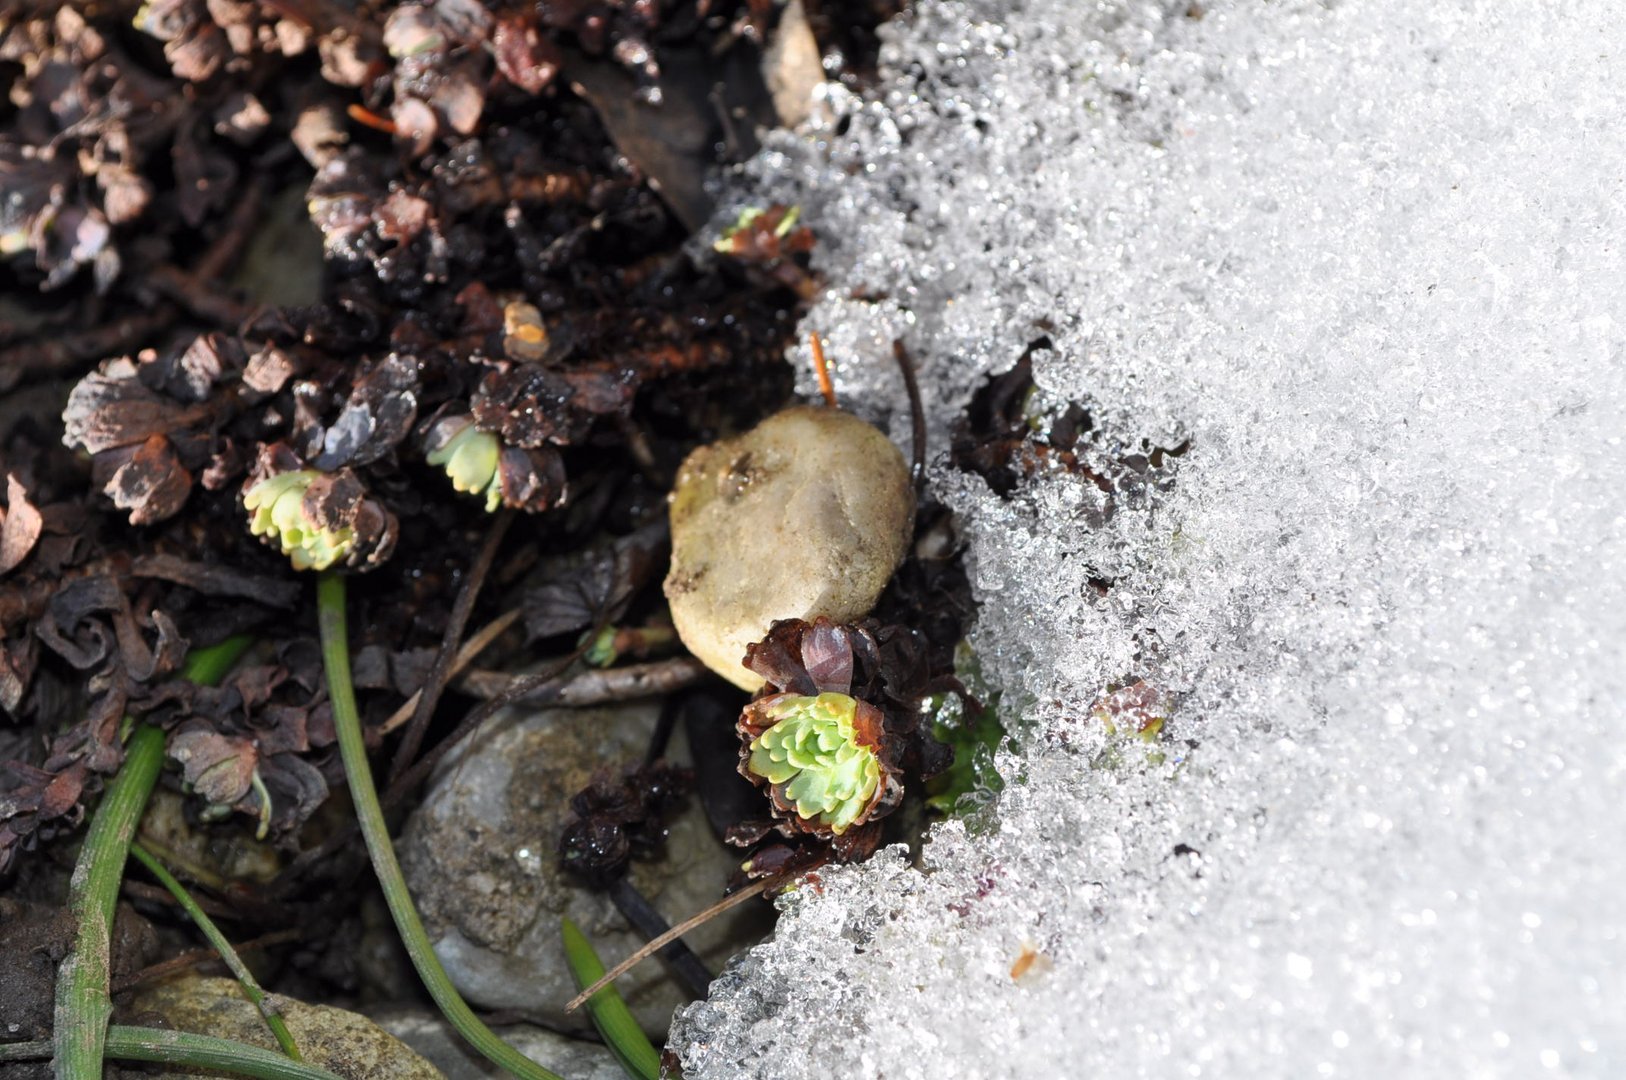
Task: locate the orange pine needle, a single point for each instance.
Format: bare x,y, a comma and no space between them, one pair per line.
822,367
363,115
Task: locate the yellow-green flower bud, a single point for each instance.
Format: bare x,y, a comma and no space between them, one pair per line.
276,510
470,458
812,750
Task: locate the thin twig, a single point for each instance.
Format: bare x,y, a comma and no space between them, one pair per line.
435,683
661,737
198,290
917,413
200,874
472,648
589,687
421,768
637,910
201,297
191,958
366,117
65,352
225,249
673,934
408,781
141,890
822,368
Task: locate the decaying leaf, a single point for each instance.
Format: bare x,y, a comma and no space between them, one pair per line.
595,586
20,524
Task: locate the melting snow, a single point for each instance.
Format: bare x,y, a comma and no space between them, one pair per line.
1367,257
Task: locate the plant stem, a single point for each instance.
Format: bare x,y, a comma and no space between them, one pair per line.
419,770
251,988
330,606
466,655
185,1050
611,1016
193,957
435,682
83,1003
207,667
598,687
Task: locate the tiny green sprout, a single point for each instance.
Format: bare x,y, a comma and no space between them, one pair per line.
276,509
813,750
470,458
726,243
601,649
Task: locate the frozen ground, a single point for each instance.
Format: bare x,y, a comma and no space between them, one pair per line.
1367,256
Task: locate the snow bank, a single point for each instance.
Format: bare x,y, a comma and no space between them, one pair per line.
1367,257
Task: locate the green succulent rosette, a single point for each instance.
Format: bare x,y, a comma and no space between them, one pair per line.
819,757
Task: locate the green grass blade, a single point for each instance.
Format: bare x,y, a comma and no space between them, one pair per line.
207,667
330,606
611,1016
83,1005
251,988
184,1050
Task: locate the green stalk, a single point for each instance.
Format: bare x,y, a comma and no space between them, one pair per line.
611,1016
251,988
183,1050
330,607
83,1004
207,667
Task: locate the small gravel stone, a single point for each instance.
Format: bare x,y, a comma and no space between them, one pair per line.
481,857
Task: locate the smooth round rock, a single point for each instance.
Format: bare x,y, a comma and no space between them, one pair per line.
342,1042
481,857
806,514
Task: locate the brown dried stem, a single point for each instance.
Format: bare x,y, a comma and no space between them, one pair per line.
435,683
821,366
67,352
656,944
588,688
917,413
473,647
194,957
